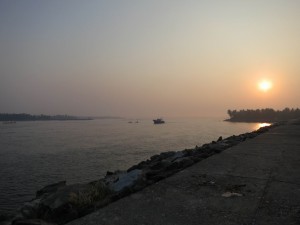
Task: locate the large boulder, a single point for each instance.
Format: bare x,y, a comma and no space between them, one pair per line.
50,188
124,180
68,202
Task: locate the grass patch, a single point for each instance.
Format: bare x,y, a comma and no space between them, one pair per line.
96,192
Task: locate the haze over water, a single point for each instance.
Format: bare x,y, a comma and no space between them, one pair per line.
135,59
148,58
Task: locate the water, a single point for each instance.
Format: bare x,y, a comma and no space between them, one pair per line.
35,154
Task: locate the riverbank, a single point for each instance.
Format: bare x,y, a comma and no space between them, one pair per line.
60,203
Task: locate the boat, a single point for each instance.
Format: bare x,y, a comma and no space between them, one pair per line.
134,122
158,121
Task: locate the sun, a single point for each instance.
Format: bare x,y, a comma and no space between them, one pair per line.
265,85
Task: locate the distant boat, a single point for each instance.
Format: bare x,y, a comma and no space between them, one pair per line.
134,122
159,121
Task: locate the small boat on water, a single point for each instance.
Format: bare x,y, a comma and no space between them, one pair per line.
134,122
159,121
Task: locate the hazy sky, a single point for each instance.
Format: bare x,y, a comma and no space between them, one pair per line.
139,58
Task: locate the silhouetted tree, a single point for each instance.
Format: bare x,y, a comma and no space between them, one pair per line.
263,115
28,117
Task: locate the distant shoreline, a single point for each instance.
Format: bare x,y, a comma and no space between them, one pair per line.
8,117
13,117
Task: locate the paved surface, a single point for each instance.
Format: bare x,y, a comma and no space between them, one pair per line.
255,182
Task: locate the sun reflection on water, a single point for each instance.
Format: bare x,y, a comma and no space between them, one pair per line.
260,125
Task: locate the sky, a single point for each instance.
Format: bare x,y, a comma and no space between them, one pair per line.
141,58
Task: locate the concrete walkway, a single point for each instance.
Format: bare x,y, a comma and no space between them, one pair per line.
255,182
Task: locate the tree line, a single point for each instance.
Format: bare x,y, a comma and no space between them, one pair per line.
29,117
263,115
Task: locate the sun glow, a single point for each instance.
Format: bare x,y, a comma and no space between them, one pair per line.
260,125
265,85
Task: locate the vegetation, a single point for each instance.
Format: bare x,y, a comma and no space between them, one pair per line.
28,117
263,115
95,193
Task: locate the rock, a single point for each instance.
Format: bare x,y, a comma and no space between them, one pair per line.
155,158
180,163
251,135
219,139
108,173
189,152
160,165
29,209
143,164
50,188
151,173
62,206
135,167
166,155
204,146
204,155
185,162
217,147
243,137
177,155
126,180
139,185
232,140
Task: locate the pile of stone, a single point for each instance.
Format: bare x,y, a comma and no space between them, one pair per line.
60,203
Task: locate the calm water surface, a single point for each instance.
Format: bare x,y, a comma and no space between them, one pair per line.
34,154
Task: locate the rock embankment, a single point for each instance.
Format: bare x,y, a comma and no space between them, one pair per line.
59,203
